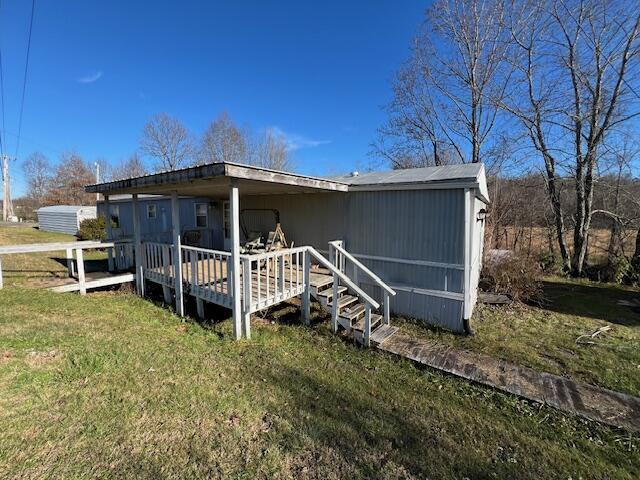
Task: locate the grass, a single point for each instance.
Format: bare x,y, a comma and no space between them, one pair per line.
111,385
22,269
545,337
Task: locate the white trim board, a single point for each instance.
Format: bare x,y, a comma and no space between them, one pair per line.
407,261
428,292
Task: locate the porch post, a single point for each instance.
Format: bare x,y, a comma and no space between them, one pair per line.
107,222
177,253
234,209
306,295
246,288
137,242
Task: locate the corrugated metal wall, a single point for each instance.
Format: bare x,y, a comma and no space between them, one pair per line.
415,226
63,220
419,234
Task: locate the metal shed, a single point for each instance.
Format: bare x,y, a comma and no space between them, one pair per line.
64,218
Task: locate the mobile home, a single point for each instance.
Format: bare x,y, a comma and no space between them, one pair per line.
418,232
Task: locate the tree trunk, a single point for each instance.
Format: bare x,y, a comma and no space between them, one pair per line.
636,254
558,216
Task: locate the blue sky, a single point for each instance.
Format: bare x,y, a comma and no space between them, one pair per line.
319,71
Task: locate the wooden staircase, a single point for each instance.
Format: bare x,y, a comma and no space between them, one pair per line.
351,309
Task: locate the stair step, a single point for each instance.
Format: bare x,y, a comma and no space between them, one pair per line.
328,293
375,320
353,312
343,301
383,333
318,280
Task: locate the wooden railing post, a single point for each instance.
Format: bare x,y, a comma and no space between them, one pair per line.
247,300
109,231
70,267
81,277
166,291
387,316
281,278
306,295
334,304
367,325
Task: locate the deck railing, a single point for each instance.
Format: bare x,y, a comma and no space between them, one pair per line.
157,263
207,273
123,255
271,277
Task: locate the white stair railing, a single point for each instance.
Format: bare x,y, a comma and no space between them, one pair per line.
341,277
340,256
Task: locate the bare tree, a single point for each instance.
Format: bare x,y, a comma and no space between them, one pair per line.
68,182
130,168
412,137
448,93
223,141
270,150
577,59
37,170
167,140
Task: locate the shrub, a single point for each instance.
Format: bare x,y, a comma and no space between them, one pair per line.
93,229
550,263
632,274
515,276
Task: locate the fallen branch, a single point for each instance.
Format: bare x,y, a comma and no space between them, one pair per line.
594,334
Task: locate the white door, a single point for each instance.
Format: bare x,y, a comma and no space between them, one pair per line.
226,225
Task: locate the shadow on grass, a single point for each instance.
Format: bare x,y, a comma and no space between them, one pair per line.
367,432
90,265
598,301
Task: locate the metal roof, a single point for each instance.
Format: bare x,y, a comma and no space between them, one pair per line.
471,175
213,179
65,208
467,171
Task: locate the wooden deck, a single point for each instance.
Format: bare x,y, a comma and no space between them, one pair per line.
92,280
209,280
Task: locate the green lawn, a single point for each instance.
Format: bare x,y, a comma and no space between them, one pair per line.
545,337
111,385
36,268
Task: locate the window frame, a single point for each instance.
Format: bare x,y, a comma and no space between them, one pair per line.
152,207
114,215
205,215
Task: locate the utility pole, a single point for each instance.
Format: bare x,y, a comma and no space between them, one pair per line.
7,207
97,179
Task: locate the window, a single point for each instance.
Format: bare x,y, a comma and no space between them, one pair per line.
115,216
151,210
201,215
225,219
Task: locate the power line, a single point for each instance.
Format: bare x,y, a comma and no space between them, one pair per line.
24,80
1,100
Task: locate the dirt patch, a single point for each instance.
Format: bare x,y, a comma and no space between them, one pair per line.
6,356
36,358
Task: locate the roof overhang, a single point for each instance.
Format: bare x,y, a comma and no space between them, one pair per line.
213,180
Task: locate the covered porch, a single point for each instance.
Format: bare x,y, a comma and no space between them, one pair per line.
244,283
